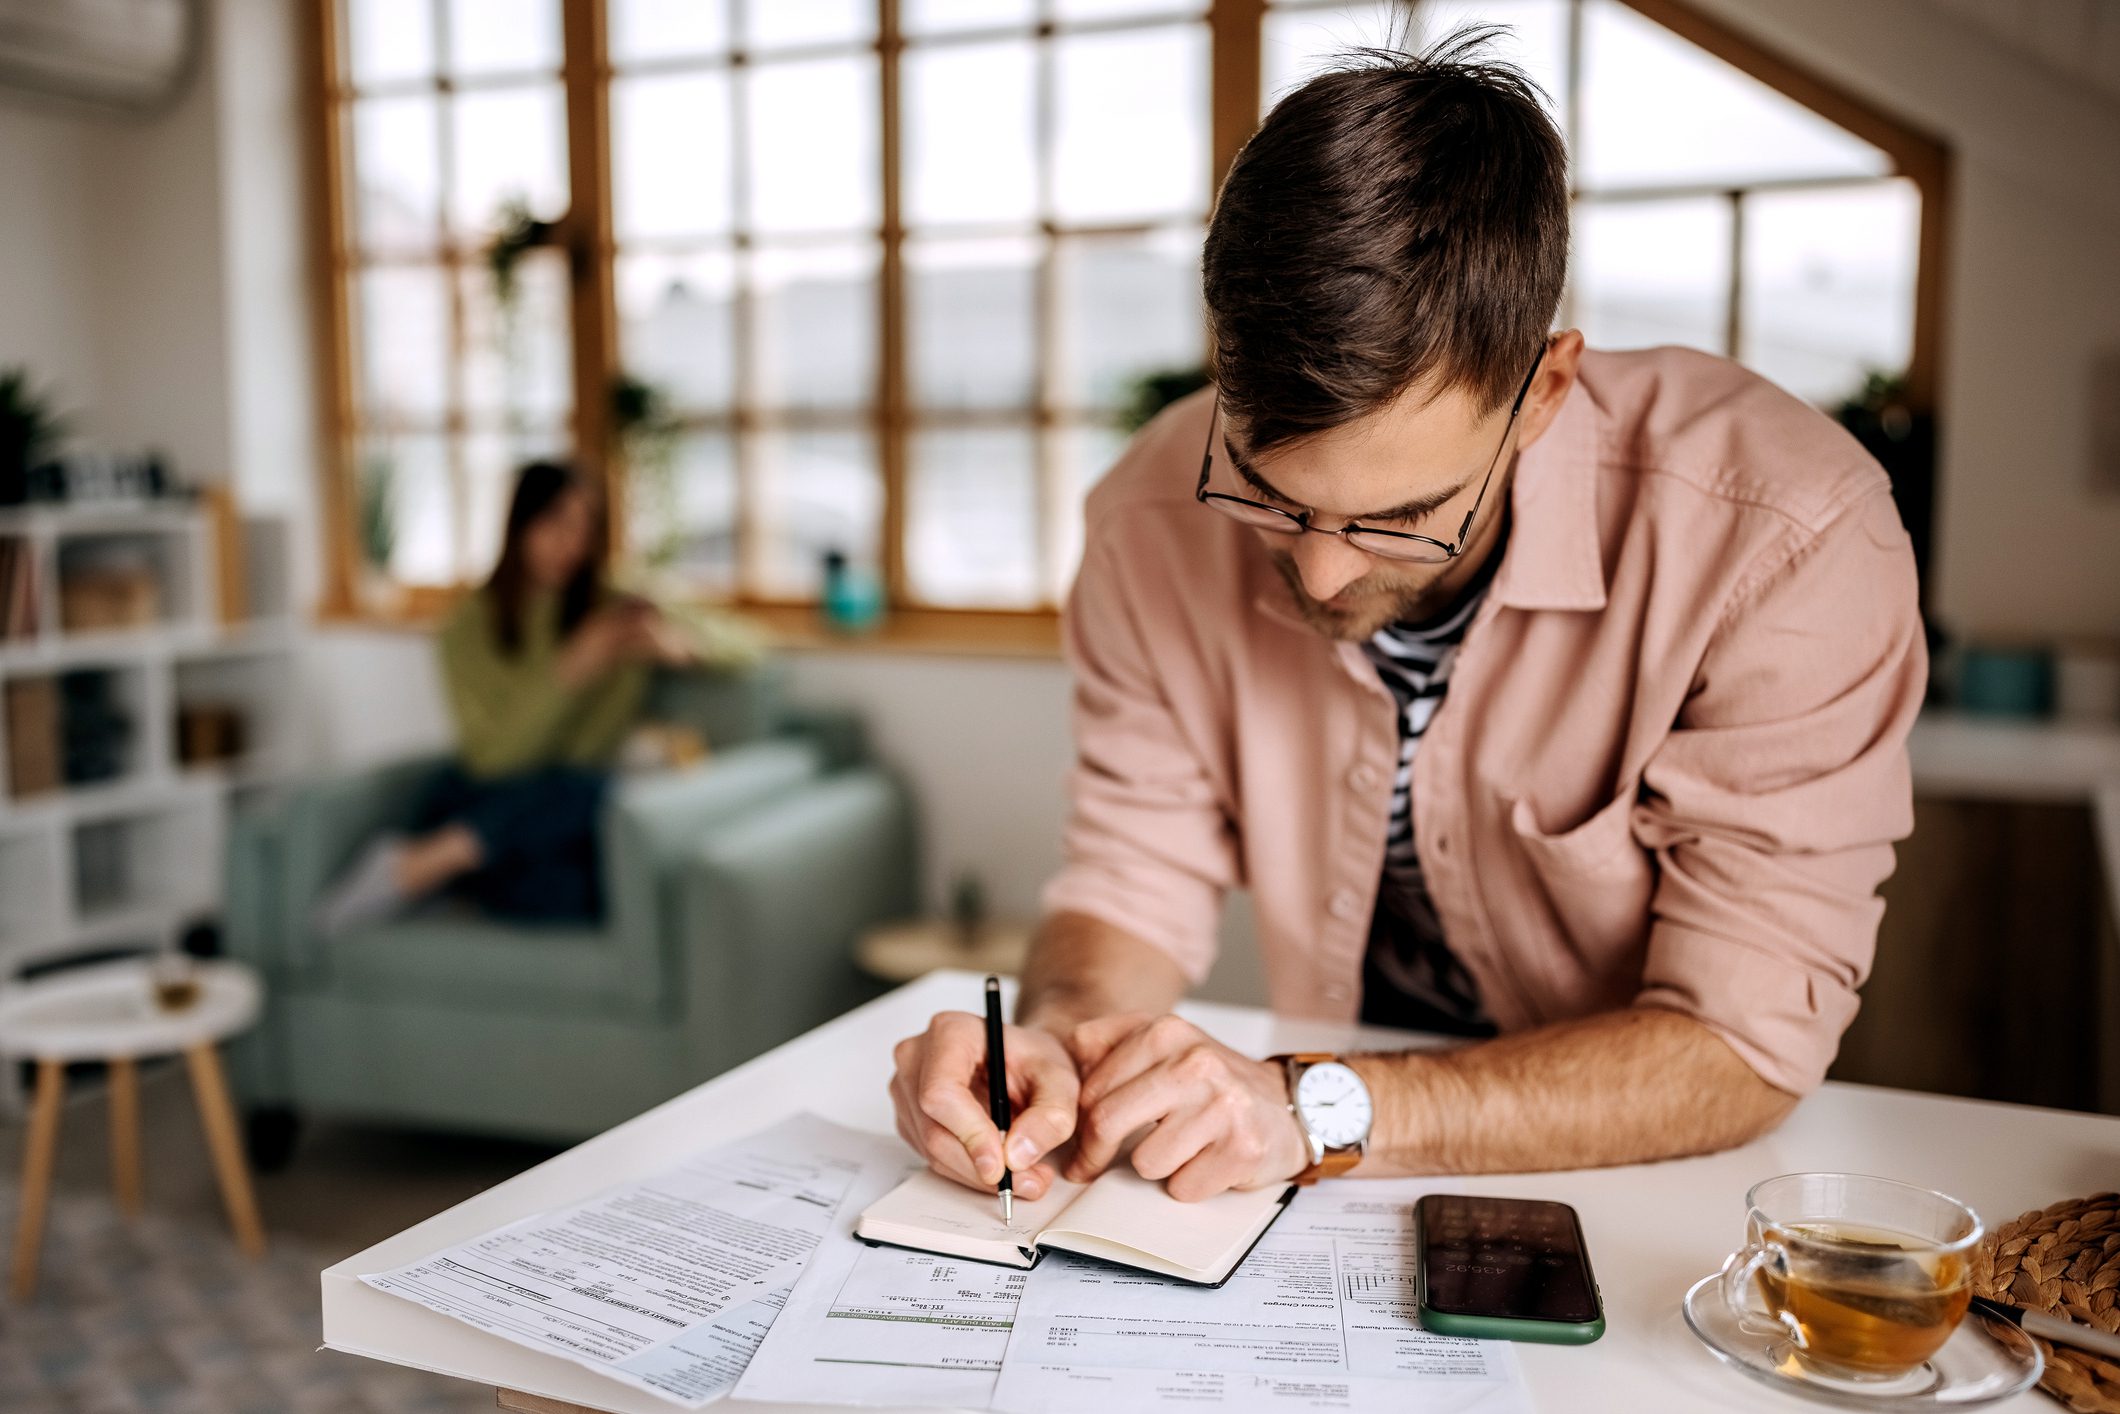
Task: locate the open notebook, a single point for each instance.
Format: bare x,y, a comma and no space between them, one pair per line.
1119,1217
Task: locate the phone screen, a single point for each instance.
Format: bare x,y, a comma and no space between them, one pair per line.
1511,1257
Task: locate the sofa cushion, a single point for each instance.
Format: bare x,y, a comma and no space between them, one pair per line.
455,956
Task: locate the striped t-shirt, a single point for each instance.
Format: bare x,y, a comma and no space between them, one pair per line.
1427,987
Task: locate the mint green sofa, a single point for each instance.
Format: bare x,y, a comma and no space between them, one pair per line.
734,893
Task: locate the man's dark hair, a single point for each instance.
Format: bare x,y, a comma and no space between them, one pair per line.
1400,214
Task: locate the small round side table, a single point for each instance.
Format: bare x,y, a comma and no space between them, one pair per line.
108,1013
901,952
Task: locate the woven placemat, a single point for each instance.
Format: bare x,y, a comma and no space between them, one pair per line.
2064,1259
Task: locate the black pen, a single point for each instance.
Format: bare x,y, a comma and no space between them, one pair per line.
997,1093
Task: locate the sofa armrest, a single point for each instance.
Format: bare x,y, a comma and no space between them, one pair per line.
770,906
653,821
324,824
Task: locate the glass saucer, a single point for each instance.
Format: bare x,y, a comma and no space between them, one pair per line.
1982,1362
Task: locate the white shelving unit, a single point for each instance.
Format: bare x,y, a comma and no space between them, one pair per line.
132,860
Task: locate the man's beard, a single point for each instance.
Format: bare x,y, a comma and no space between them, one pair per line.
1369,609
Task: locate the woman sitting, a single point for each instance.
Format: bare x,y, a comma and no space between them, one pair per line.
546,669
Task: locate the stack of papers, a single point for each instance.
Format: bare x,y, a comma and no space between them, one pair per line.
738,1270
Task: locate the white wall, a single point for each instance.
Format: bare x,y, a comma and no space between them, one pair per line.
2026,543
46,276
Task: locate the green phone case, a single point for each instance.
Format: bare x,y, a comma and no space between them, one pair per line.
1511,1328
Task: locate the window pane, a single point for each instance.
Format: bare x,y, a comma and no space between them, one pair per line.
517,364
681,499
1657,109
972,322
1133,112
511,144
677,333
1128,306
1298,44
813,145
503,36
407,518
670,155
971,150
1111,9
1650,273
972,518
941,16
388,39
403,329
775,24
818,491
1829,285
397,175
667,29
816,327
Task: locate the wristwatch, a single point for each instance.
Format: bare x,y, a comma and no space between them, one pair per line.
1332,1105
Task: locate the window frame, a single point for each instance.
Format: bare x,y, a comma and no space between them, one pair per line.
587,240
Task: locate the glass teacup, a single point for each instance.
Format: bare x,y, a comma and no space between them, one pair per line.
1865,1277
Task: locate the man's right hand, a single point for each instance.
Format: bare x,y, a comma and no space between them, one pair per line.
939,1094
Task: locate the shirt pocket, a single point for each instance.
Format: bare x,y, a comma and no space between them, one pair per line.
1596,881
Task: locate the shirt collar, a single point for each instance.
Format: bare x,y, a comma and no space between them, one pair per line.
1556,559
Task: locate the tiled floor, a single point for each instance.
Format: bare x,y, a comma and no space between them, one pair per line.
165,1315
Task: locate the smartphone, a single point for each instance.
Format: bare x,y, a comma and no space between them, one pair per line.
1504,1269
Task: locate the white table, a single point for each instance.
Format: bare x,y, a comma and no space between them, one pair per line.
1653,1229
108,1013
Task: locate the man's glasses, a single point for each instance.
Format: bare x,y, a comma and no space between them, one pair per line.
1391,544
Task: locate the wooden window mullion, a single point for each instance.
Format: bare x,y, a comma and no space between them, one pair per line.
892,393
590,254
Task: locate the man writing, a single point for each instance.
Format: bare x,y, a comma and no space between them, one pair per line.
1547,697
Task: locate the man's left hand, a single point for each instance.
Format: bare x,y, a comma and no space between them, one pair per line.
1221,1119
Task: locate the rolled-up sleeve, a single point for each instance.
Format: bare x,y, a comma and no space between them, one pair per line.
1773,807
1148,846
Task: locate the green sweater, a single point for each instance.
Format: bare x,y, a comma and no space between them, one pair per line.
512,713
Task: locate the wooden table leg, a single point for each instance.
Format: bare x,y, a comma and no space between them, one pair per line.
218,1117
37,1159
125,1134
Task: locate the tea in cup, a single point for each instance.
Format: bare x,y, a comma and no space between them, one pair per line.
1867,1278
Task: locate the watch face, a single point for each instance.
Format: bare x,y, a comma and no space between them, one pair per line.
1335,1104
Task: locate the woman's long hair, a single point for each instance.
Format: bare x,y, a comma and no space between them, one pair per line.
538,487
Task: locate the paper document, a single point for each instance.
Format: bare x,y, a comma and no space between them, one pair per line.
884,1326
668,1283
1321,1315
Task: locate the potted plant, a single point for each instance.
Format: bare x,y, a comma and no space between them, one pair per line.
31,431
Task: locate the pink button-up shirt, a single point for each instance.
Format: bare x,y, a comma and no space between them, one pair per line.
1668,771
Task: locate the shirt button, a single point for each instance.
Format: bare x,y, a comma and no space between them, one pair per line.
1442,844
1345,904
1337,993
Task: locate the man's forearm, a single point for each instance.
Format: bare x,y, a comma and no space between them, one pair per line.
1082,968
1620,1087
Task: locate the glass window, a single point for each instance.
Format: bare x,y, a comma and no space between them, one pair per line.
972,522
926,17
1658,111
812,135
502,37
815,326
1829,285
1129,305
1131,138
972,323
971,149
677,326
667,29
670,172
1652,272
818,492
